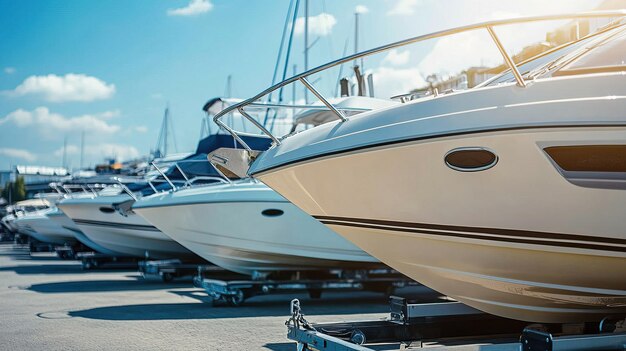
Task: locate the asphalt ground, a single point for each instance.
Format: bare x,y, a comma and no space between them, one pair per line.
51,304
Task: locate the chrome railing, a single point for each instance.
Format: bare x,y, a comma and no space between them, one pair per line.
302,77
188,182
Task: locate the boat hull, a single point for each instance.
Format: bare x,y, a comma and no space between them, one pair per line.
250,229
63,220
522,239
38,226
128,235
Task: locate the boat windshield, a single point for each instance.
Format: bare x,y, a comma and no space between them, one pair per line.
609,56
606,50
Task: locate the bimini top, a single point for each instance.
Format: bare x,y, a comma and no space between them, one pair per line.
428,117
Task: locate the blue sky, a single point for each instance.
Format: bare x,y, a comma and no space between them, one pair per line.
109,68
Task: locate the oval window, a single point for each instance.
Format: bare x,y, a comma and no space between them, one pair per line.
470,159
272,212
106,210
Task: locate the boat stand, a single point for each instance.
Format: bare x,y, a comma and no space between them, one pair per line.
236,292
168,270
38,246
94,260
450,326
70,252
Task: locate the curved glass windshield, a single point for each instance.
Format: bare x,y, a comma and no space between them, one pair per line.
610,56
547,59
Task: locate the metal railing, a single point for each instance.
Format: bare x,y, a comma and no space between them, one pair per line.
188,182
302,77
153,183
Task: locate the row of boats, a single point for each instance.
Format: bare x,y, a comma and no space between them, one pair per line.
509,197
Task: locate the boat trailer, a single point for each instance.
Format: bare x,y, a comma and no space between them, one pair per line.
235,292
168,270
70,252
450,326
94,260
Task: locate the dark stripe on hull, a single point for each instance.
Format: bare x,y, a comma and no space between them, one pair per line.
117,225
402,141
506,235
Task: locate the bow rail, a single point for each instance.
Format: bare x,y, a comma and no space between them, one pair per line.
302,77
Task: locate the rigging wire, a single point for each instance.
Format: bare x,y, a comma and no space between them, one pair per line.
280,54
287,55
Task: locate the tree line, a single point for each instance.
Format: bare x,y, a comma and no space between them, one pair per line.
14,191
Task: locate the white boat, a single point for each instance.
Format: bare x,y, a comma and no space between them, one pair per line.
31,219
57,216
246,227
508,197
118,231
38,225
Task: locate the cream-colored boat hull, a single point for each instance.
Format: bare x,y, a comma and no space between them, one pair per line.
517,240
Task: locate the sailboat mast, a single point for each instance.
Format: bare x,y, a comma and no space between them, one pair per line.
165,129
82,148
306,45
65,152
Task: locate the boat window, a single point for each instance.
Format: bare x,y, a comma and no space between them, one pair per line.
609,56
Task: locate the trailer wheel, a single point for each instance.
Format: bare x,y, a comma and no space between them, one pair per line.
86,266
237,299
357,337
315,293
167,277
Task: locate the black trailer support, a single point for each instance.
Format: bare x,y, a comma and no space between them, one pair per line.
94,260
168,270
436,324
236,290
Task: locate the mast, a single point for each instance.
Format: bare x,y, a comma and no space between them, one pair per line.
162,141
229,81
306,45
82,148
356,34
65,152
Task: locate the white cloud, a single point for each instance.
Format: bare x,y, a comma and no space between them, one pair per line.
389,81
108,114
321,24
70,87
453,54
141,129
403,7
157,96
49,123
20,118
195,7
397,58
18,153
361,9
9,70
120,152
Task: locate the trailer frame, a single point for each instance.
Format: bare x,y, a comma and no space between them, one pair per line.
435,324
236,291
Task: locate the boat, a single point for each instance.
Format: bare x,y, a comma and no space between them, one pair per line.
116,231
39,226
61,219
246,227
31,220
274,235
508,197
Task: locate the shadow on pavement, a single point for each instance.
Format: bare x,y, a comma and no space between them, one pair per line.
45,269
101,286
280,346
344,303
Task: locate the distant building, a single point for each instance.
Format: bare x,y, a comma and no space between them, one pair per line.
577,29
36,178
